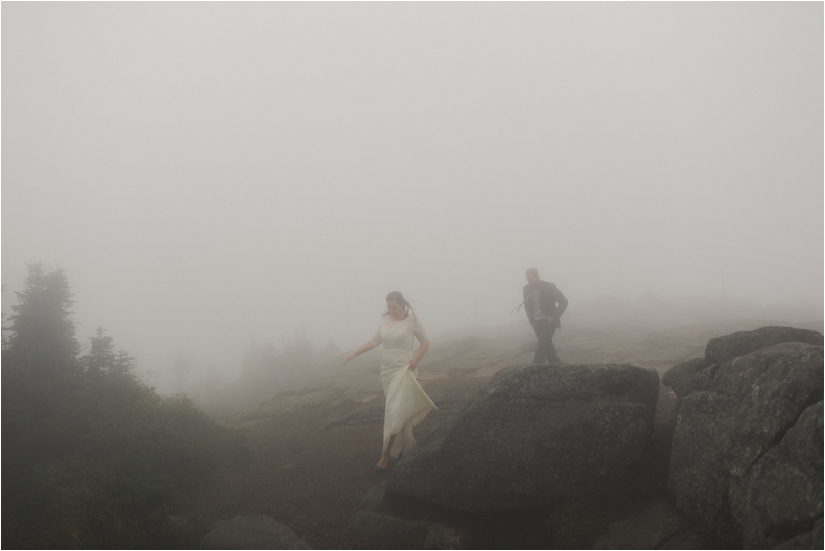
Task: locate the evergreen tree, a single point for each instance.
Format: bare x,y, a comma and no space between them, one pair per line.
123,366
42,343
299,351
102,359
101,355
40,372
260,361
181,371
3,327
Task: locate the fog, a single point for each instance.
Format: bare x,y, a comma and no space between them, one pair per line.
210,173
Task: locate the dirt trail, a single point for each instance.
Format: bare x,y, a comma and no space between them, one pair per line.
309,476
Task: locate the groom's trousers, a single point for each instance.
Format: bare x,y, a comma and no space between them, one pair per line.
545,349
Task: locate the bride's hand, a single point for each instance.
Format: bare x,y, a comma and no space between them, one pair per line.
350,357
413,365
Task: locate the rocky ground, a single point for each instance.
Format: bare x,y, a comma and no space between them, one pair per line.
313,450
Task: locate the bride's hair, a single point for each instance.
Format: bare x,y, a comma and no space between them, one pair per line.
398,298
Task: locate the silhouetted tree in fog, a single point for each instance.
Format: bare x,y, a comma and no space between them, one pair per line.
260,361
181,371
262,373
40,369
42,344
101,355
3,327
332,349
299,352
103,360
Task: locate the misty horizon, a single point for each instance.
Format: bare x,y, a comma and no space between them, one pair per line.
212,173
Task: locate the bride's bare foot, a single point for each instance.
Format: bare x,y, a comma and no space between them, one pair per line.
384,461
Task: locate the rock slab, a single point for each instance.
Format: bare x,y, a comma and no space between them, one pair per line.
373,499
722,349
389,529
536,435
252,532
747,448
658,526
740,343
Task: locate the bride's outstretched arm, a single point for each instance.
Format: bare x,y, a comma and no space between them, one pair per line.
367,346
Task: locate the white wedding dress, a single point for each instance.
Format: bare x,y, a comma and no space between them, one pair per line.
406,402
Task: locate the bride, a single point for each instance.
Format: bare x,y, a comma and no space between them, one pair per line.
406,402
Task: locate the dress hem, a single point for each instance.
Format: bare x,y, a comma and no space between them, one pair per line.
413,421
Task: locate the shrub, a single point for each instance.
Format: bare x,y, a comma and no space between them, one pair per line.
134,459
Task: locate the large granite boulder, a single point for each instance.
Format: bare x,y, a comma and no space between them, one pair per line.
781,496
721,349
747,449
535,435
728,347
680,376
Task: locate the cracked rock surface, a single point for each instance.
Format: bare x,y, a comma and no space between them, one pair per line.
747,449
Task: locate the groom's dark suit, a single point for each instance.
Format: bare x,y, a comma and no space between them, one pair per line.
552,304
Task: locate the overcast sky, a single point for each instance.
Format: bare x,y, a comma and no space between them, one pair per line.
208,172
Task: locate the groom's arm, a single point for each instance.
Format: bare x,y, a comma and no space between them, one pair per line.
562,300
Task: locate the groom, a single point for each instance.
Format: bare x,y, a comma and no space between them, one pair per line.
544,305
